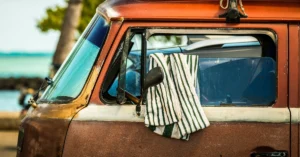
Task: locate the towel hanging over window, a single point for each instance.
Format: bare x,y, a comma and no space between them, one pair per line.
173,108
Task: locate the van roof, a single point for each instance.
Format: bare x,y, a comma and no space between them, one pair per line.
202,10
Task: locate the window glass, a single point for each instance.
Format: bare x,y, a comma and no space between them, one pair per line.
71,77
239,81
133,69
232,69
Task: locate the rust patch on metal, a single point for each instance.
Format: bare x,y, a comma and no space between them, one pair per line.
134,139
87,97
43,137
67,110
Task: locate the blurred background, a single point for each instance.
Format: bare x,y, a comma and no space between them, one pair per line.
35,38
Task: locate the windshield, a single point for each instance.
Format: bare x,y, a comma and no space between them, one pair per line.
71,77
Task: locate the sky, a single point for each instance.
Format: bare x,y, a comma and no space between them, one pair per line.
18,31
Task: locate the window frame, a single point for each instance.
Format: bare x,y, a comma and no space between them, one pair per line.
121,98
126,38
278,31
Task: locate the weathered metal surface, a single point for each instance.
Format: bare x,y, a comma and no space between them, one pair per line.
298,92
205,10
295,140
294,58
294,94
43,137
134,139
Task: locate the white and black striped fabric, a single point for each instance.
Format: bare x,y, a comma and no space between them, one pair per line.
173,108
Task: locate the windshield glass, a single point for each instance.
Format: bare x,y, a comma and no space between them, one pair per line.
71,77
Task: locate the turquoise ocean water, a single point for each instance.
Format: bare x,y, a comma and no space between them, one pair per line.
9,101
20,64
24,64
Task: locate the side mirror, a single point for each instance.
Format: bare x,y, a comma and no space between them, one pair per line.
154,77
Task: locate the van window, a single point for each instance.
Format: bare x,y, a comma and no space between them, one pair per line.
71,77
237,70
133,70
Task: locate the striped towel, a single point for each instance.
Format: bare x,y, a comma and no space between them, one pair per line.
173,108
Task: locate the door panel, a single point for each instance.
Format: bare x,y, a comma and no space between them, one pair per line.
114,130
134,139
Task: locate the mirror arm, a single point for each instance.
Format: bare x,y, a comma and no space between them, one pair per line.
132,97
153,78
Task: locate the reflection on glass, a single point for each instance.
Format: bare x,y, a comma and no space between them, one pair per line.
232,70
239,81
71,77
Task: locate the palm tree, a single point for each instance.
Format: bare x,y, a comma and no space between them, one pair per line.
67,36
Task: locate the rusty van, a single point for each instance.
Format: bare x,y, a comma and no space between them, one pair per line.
246,79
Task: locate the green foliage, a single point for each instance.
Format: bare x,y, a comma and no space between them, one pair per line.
52,20
88,11
54,16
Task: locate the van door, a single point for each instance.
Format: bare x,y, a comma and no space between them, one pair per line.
244,94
